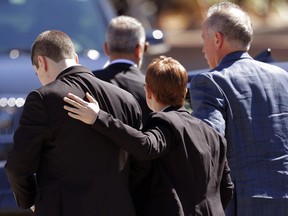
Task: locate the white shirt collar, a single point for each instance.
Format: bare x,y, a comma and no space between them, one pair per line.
123,61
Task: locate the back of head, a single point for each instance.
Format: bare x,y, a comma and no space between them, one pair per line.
53,44
124,34
232,22
167,79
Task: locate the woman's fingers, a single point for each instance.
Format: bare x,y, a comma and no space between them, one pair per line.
86,112
90,98
73,115
75,99
71,109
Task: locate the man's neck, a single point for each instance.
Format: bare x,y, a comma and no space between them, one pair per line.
62,65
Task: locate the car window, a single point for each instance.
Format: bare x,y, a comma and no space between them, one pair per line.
22,20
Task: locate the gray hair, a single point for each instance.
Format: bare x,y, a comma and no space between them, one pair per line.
124,34
231,21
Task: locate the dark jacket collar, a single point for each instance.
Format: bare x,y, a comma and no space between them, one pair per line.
73,70
121,66
175,108
231,58
234,56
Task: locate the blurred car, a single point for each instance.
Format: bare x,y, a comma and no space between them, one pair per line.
21,21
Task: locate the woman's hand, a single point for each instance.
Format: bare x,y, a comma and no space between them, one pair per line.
84,111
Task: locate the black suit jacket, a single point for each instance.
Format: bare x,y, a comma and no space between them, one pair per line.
129,78
78,171
189,173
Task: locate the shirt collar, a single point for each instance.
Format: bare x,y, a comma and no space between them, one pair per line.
230,58
123,61
235,56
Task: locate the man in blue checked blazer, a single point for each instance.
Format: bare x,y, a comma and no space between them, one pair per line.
247,101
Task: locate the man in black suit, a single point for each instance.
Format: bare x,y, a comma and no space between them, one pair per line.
189,172
125,45
62,166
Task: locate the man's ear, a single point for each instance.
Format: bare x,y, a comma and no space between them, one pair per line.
42,62
106,50
138,51
218,39
149,92
146,46
76,58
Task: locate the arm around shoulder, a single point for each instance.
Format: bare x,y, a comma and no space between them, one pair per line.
146,145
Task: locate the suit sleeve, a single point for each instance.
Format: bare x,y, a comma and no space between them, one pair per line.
148,145
208,101
23,160
226,185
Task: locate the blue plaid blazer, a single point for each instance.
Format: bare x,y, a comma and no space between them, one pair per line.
247,101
